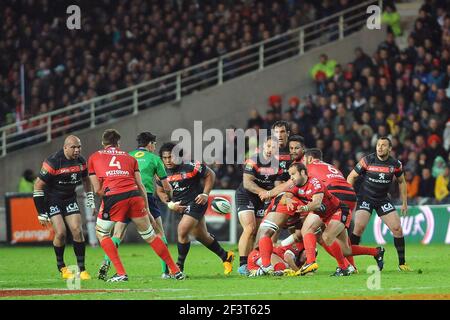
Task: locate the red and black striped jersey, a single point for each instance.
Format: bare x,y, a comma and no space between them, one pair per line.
265,172
185,180
377,176
285,161
62,175
330,204
332,178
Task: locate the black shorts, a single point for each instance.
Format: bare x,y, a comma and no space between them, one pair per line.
196,211
247,201
153,206
382,207
64,207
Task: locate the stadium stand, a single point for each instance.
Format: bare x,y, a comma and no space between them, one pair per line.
403,94
123,43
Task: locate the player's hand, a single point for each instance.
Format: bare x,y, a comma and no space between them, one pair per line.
264,195
44,220
201,199
404,210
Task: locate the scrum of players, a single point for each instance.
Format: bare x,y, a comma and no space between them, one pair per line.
303,194
315,202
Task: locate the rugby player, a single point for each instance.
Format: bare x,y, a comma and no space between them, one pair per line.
377,171
261,173
116,178
150,166
190,200
56,201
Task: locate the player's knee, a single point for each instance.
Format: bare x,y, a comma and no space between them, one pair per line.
397,231
327,239
60,236
250,229
358,229
77,234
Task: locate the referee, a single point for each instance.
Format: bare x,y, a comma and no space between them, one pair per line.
150,166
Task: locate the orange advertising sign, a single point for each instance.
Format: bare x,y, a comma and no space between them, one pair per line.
23,225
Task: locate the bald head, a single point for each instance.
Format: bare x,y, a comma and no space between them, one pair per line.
72,147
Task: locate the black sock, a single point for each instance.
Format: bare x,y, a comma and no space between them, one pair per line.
400,246
183,249
217,249
80,248
59,252
243,260
354,239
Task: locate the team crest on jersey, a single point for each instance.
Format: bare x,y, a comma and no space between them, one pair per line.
44,172
391,169
139,154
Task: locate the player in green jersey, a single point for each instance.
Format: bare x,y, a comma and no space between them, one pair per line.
150,166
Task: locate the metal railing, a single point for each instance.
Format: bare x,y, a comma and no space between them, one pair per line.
172,87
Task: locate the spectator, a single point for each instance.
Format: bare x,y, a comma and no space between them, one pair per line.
412,183
324,68
255,121
439,166
26,182
441,188
435,148
426,184
392,18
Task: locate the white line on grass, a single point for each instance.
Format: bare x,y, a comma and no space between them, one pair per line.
241,294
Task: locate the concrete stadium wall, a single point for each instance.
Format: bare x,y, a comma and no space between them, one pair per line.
219,107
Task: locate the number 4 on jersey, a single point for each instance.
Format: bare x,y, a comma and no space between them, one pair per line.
114,163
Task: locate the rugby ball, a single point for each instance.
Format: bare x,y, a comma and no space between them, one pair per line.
221,205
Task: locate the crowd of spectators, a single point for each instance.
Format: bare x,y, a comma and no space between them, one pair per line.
126,42
400,94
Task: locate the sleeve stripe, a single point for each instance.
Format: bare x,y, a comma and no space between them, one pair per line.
48,168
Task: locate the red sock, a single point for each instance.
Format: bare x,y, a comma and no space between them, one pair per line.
279,266
327,249
161,250
336,250
360,250
350,258
112,253
265,250
309,241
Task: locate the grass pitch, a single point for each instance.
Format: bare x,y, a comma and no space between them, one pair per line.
30,273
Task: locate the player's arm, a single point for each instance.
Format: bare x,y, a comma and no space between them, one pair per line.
161,174
314,205
353,175
40,201
251,186
359,169
96,185
173,206
279,188
87,186
403,193
165,188
210,179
